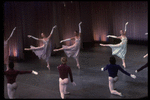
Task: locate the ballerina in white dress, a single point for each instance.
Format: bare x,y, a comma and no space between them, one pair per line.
121,48
43,51
6,49
73,50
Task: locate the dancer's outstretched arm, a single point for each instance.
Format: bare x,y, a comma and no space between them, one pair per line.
125,27
30,36
52,31
113,36
11,34
67,39
80,28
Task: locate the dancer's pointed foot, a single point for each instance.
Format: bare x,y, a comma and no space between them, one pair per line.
26,49
48,67
101,44
78,66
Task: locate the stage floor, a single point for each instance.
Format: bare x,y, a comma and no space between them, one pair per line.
91,82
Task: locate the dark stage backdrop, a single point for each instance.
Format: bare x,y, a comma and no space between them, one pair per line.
99,19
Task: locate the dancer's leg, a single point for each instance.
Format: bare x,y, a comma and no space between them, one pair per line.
61,89
11,90
7,66
115,80
77,60
58,49
62,86
34,48
104,44
123,63
48,66
111,87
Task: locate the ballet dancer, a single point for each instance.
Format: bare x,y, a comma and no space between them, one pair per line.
6,49
144,66
73,50
113,71
64,70
11,75
121,48
43,51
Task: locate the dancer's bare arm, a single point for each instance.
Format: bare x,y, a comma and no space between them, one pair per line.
52,31
80,28
11,34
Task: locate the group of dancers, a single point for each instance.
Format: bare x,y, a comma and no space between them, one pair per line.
44,52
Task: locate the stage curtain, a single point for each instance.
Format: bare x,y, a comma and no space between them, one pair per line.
109,17
99,18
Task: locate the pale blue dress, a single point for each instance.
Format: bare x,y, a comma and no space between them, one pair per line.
120,49
73,50
44,52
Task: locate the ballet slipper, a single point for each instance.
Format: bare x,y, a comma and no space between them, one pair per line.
78,66
48,67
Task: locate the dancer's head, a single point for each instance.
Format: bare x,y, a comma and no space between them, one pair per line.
63,60
122,33
112,60
76,33
11,65
42,35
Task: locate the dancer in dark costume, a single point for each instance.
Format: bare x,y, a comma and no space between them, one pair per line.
11,75
113,77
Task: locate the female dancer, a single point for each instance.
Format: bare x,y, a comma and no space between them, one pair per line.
43,51
6,49
113,70
121,48
64,70
11,76
73,50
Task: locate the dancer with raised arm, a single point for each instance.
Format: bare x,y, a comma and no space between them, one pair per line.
43,51
121,48
64,70
6,49
73,50
11,75
113,77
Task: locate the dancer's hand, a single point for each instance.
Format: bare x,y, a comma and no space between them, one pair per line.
108,36
102,69
145,55
14,28
29,36
34,72
55,26
73,83
133,76
61,41
126,23
80,23
146,33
